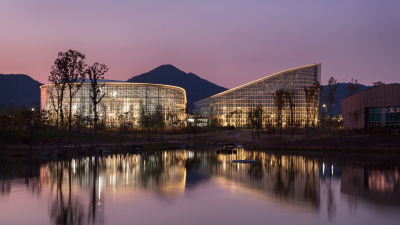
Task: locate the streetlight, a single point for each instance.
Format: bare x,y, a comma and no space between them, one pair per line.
325,108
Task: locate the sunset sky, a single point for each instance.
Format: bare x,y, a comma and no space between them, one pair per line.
226,42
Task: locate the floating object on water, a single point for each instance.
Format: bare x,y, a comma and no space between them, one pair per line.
245,161
239,146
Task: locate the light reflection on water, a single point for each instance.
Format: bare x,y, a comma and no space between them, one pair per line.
198,187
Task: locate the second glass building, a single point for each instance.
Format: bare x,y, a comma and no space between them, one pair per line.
232,105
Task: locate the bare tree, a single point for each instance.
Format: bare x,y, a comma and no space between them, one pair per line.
259,119
104,111
57,93
352,87
378,83
279,103
79,119
317,89
290,99
215,121
255,120
145,120
251,122
95,73
125,122
196,121
355,117
330,100
159,119
71,68
236,115
309,96
172,118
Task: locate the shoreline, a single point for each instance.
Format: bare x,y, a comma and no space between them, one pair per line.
69,152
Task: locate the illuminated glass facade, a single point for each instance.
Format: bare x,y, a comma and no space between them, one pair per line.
232,105
120,98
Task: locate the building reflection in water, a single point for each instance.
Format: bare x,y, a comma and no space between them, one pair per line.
380,186
293,180
289,178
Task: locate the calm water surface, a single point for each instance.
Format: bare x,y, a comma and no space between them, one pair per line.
201,187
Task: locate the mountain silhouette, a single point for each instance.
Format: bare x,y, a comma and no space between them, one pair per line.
196,88
19,90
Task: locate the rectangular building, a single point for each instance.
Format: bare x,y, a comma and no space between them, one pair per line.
375,107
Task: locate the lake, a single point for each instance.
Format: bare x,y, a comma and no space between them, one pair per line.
202,187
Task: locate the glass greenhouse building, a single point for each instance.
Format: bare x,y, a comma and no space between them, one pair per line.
232,105
121,100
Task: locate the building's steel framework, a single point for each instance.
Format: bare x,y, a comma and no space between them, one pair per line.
232,105
120,98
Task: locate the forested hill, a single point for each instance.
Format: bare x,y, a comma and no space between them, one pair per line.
196,88
18,89
339,94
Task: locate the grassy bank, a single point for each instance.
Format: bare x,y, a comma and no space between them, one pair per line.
20,143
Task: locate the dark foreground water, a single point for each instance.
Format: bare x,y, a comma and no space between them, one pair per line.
201,187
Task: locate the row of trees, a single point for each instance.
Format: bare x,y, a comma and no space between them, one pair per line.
284,102
285,99
15,118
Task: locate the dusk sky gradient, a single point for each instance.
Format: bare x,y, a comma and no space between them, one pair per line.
229,43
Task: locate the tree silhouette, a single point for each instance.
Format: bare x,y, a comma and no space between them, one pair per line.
378,83
215,121
317,89
70,67
330,100
57,92
352,87
95,73
290,99
279,103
